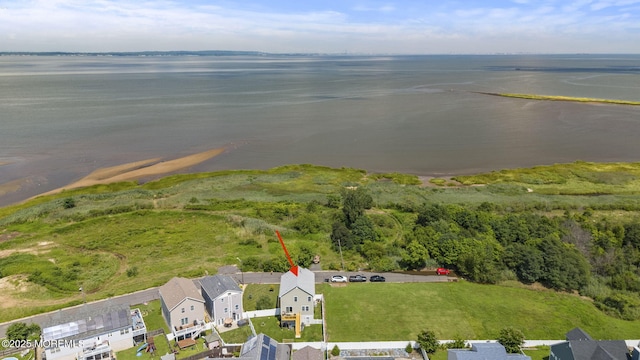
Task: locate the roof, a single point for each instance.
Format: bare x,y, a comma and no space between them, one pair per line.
212,337
177,290
305,280
84,322
262,347
584,347
484,351
308,353
577,334
599,349
217,285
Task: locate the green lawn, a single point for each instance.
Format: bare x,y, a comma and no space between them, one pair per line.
130,354
388,311
253,292
152,316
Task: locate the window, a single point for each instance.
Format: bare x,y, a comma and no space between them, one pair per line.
237,307
295,299
191,307
309,298
305,308
226,310
184,321
288,309
183,310
221,299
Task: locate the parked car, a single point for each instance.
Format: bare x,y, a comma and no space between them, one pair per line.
442,271
377,278
339,278
357,278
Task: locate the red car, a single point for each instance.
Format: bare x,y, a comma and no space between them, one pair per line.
442,271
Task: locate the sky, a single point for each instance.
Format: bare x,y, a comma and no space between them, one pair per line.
323,26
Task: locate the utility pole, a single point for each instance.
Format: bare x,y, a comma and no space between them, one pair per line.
241,271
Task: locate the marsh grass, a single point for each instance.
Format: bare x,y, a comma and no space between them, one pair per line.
567,98
189,225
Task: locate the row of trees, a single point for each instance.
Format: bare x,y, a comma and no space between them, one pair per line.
512,339
567,252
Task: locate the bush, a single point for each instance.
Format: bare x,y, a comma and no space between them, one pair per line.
335,351
409,348
512,339
428,341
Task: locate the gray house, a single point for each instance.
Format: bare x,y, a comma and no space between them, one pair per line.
580,346
182,307
297,292
484,351
222,298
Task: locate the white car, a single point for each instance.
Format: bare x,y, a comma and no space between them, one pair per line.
339,278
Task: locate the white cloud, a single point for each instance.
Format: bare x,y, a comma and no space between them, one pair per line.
109,25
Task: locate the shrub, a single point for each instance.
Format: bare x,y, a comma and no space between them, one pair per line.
335,351
428,341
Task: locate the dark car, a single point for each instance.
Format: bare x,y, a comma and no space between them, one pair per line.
377,278
357,278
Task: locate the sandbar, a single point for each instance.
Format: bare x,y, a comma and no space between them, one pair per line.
138,170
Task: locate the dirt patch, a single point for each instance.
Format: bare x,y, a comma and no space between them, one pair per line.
9,236
43,247
447,181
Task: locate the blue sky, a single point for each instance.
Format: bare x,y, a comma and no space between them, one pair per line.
330,26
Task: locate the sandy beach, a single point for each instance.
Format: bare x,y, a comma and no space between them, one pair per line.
136,170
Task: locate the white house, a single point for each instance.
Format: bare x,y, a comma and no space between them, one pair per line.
222,298
86,333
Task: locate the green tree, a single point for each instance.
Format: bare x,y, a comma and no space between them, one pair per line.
354,203
22,331
341,237
414,256
307,223
362,230
428,341
512,339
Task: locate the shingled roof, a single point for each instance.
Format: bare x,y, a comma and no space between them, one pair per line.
217,285
177,290
305,280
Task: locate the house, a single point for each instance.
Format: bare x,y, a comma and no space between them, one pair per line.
90,333
262,347
222,298
484,351
182,307
297,292
580,346
308,353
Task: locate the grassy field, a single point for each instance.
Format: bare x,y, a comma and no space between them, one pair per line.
386,311
126,237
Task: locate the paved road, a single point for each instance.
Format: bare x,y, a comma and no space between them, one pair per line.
140,297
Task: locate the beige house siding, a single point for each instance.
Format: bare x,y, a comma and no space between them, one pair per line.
298,301
186,312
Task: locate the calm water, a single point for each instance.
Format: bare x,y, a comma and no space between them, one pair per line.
63,117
